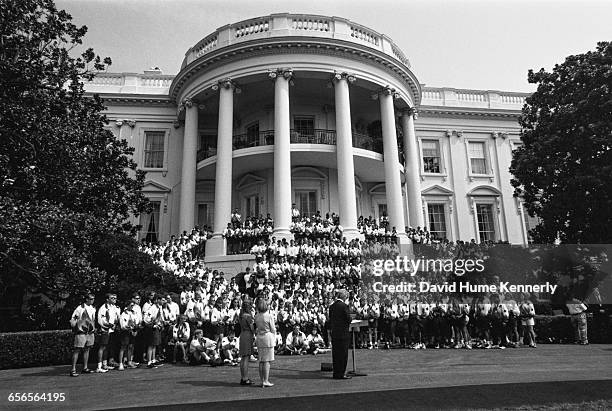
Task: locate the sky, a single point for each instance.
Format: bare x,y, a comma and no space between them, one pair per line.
484,45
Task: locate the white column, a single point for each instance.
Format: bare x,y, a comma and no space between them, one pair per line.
216,246
411,168
344,154
282,154
393,184
188,171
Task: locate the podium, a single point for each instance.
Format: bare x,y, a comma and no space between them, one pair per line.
354,327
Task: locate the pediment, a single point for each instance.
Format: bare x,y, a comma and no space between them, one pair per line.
151,186
378,189
437,190
484,191
249,180
308,173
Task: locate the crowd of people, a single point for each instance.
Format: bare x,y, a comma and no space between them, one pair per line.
297,280
181,256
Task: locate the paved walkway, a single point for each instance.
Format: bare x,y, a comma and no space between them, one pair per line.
396,379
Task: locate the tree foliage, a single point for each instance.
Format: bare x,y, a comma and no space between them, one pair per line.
65,180
563,170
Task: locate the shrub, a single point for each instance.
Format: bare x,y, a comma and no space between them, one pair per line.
558,329
35,348
43,348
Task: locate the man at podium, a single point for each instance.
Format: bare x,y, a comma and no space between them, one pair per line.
340,320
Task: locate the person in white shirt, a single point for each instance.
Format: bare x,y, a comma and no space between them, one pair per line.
180,339
108,322
315,342
83,326
229,348
528,320
127,321
172,307
153,319
577,310
295,213
295,343
199,348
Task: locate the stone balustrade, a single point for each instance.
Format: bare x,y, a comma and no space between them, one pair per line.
130,83
449,97
294,25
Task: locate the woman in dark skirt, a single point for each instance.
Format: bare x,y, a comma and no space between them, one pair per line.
246,321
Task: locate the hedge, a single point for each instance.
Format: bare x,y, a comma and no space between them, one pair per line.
42,348
35,348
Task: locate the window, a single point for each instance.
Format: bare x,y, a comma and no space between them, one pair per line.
252,135
530,223
154,149
149,223
205,217
382,210
437,220
478,160
486,227
304,127
431,156
252,206
306,202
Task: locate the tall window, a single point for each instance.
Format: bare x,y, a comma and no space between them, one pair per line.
205,217
149,223
154,149
304,127
306,202
437,220
382,210
252,206
431,156
530,223
486,227
478,159
252,134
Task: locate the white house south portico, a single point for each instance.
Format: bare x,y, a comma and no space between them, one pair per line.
324,53
321,112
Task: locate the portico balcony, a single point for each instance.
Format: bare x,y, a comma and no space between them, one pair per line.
317,136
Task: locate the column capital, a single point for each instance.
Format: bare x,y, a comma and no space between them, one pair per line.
187,103
386,91
228,84
457,133
410,111
286,73
125,122
351,78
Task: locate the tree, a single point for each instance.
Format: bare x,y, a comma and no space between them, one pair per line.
563,171
65,181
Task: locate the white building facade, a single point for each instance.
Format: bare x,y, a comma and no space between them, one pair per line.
321,112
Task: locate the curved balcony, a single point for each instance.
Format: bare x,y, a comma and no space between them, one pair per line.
294,25
317,136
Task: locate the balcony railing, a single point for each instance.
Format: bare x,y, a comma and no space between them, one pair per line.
316,136
205,153
263,138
